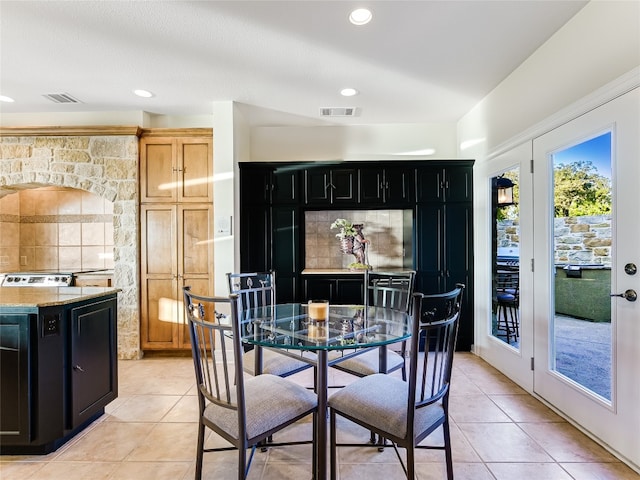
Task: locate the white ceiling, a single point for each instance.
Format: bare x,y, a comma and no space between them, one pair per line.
416,62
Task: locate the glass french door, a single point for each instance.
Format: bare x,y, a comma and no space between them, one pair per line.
586,236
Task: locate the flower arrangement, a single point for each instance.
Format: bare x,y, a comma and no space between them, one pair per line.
345,226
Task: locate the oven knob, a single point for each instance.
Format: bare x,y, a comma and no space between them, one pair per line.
9,279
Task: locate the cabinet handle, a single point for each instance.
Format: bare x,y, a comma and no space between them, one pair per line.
78,368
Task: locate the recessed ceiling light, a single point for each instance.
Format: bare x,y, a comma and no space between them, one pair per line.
143,93
360,16
348,92
6,99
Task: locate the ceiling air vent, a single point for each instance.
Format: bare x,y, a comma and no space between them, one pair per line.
61,98
338,112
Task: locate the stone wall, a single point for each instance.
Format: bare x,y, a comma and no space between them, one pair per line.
105,165
578,240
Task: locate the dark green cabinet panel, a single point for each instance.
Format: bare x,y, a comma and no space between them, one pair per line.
444,184
331,186
444,256
285,186
339,290
392,186
255,238
255,187
286,251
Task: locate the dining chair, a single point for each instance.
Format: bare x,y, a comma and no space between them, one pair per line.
244,412
407,412
507,301
383,289
258,290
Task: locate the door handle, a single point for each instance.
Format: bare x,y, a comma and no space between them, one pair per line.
629,295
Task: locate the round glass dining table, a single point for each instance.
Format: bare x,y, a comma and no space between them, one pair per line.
349,331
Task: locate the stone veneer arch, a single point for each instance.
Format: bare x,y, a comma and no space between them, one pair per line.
100,160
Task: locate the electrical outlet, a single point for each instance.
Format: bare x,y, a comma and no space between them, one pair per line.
23,260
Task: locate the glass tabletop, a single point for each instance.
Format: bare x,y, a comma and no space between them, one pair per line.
349,326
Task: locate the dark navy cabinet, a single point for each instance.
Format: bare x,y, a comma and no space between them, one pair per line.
438,196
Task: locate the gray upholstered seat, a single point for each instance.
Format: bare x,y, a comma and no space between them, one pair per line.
406,412
383,289
274,363
244,412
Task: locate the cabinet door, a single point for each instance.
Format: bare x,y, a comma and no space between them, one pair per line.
344,186
159,276
317,186
318,288
195,259
286,251
93,350
255,239
429,238
399,186
15,414
194,175
349,291
158,166
372,186
285,188
255,185
458,183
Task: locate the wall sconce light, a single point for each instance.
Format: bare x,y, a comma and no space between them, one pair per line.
505,191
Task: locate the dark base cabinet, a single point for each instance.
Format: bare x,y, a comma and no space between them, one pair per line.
437,194
347,289
59,371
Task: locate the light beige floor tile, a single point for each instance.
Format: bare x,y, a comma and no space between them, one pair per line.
475,408
150,471
144,408
461,450
75,471
565,443
600,471
503,442
528,471
287,471
471,471
17,470
493,382
360,471
185,410
174,442
525,408
108,442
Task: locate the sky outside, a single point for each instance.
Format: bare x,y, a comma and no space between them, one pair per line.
597,151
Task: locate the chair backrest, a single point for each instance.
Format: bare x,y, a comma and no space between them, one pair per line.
508,281
213,335
435,322
389,289
257,289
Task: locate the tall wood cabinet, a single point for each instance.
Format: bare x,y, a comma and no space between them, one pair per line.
176,231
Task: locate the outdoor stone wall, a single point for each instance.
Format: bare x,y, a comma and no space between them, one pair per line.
579,240
106,166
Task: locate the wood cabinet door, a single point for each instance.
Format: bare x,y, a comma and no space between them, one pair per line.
158,166
159,277
194,175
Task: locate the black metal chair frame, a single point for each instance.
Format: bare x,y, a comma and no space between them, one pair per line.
507,303
435,320
386,289
212,334
258,289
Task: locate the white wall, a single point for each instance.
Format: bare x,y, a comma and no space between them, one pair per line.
572,72
355,142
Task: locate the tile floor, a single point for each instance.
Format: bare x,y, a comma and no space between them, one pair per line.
499,432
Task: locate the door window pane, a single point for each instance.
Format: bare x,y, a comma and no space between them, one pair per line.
581,335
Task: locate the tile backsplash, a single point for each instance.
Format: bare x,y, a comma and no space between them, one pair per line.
55,228
385,230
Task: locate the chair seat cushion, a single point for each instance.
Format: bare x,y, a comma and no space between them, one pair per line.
274,363
381,401
368,363
270,401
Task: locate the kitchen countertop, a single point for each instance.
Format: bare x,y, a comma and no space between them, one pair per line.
50,296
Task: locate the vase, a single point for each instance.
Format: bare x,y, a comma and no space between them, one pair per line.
346,245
